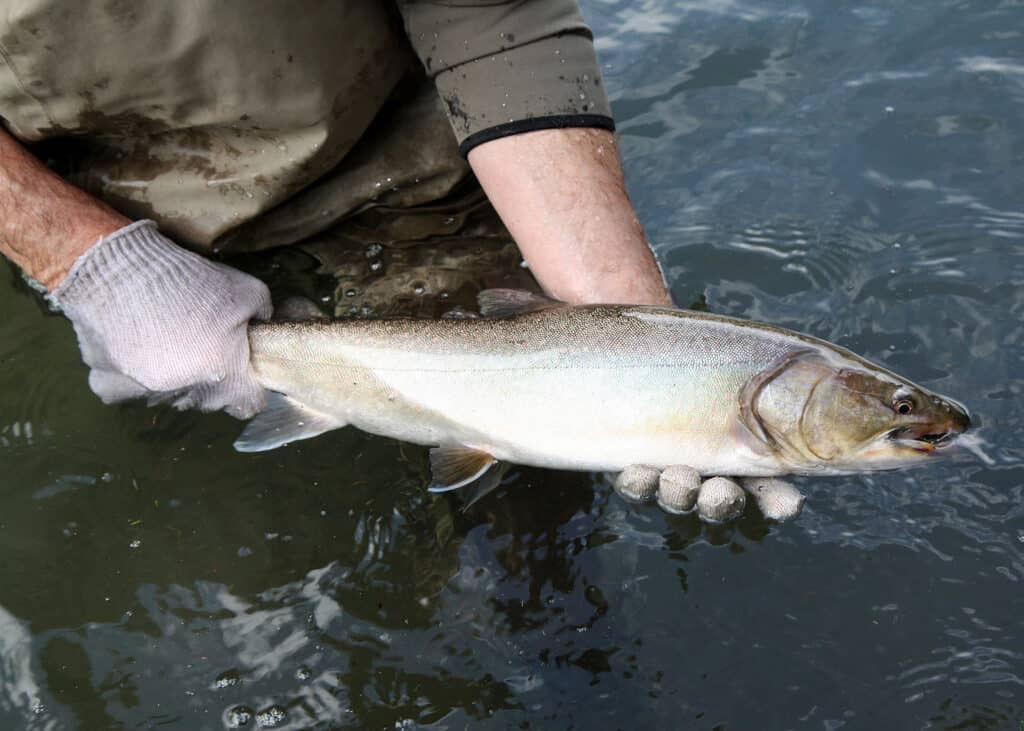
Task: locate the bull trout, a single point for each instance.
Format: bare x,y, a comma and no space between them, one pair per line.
595,388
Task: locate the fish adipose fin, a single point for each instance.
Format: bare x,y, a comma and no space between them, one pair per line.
508,302
454,467
283,420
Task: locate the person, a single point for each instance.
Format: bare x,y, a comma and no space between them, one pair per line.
240,125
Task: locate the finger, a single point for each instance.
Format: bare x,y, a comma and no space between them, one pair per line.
637,483
112,386
775,498
240,397
720,500
678,488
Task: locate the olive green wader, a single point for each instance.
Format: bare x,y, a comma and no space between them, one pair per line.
241,125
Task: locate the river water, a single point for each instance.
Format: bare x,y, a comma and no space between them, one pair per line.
851,170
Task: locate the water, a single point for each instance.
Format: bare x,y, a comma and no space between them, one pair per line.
851,170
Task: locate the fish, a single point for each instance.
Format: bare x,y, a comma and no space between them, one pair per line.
595,388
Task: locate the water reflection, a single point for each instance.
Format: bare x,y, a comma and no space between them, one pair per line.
852,172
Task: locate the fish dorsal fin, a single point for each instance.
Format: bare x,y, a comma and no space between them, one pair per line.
508,302
453,467
283,420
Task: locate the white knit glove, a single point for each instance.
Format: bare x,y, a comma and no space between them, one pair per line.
679,489
156,321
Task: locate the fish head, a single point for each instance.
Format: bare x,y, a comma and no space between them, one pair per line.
839,415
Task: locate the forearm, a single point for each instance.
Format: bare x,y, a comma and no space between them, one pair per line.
561,194
45,223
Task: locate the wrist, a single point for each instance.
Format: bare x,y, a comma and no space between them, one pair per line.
88,230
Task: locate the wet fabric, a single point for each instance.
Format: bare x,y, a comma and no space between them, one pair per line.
241,125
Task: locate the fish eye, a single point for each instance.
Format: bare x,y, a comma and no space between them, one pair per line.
904,407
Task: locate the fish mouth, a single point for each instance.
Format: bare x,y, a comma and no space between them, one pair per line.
924,438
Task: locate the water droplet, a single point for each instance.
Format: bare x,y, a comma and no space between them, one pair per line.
419,288
350,293
244,551
376,265
303,673
226,679
135,543
890,110
270,717
238,717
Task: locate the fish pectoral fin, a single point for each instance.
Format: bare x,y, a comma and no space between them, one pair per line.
283,420
453,467
508,302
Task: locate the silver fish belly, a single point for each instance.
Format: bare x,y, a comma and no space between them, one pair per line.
583,388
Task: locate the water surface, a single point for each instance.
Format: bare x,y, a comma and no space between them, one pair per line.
852,170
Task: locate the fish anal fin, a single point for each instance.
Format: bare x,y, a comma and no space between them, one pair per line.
283,420
508,302
453,467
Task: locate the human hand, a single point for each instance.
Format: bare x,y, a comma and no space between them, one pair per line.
678,489
156,321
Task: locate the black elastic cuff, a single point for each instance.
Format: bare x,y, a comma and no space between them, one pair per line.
555,121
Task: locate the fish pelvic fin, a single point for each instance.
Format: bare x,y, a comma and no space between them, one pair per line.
283,420
508,302
453,467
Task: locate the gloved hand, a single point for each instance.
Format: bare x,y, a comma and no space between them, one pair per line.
156,321
679,489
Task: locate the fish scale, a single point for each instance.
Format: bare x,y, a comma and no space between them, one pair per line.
585,388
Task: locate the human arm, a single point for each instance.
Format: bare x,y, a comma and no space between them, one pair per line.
562,196
46,223
527,105
153,320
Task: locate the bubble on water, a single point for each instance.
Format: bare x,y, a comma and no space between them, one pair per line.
373,250
107,477
238,717
350,293
270,717
889,110
227,679
376,265
419,288
135,543
244,551
303,673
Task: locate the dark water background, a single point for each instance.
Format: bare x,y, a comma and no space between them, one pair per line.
853,170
